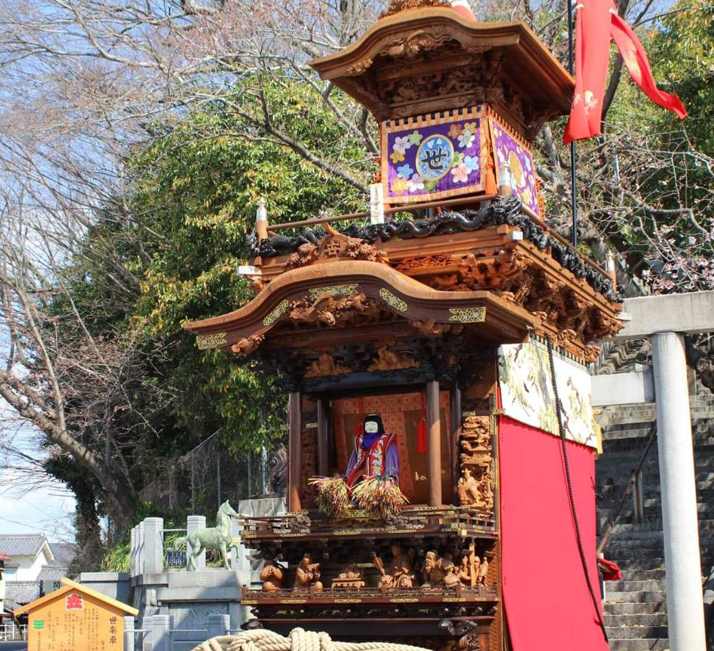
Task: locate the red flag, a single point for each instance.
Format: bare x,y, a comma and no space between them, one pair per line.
592,51
596,22
635,58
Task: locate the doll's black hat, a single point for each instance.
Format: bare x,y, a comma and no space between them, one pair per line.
375,418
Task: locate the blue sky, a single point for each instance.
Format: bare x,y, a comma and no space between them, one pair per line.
30,502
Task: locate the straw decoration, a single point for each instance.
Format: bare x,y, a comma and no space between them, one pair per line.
333,495
379,496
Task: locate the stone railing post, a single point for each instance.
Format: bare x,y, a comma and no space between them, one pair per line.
133,552
218,625
153,545
129,639
194,522
140,548
160,633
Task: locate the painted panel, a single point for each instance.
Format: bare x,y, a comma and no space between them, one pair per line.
509,150
527,391
433,157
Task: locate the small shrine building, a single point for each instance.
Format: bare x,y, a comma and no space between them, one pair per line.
466,328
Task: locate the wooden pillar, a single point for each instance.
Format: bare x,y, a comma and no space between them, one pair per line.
433,423
294,453
456,424
323,428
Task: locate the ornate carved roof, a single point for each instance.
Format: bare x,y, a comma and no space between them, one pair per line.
432,59
358,293
492,275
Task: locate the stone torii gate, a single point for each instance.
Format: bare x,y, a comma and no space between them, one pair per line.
665,320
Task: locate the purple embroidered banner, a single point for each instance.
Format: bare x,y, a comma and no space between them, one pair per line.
521,163
433,161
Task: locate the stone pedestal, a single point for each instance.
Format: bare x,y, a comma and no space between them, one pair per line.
112,584
195,602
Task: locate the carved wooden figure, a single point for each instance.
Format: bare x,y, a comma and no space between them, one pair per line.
271,576
400,573
470,566
439,570
468,489
308,574
483,572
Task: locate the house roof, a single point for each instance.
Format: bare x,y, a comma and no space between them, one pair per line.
401,35
70,586
28,544
19,593
52,573
63,553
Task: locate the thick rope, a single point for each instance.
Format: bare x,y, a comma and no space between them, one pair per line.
298,640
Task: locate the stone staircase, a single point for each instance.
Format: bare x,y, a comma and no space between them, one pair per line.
636,607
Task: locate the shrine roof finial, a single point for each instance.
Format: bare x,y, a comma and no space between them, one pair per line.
402,5
462,7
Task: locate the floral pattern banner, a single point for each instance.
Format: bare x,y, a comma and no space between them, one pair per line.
508,150
432,161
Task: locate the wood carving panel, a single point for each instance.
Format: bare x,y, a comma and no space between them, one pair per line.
400,5
568,314
387,360
476,485
308,465
334,247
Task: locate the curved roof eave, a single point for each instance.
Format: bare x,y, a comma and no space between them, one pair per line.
397,292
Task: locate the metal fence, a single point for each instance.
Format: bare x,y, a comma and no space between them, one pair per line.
204,478
216,476
10,632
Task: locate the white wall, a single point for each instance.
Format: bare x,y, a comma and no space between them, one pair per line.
28,568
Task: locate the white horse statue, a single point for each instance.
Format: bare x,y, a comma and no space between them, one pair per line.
219,538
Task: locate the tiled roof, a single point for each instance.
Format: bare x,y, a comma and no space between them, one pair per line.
22,544
19,593
52,573
64,554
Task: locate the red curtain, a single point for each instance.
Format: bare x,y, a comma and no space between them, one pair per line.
547,603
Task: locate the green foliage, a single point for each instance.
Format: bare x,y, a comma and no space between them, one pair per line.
173,257
199,187
683,55
118,557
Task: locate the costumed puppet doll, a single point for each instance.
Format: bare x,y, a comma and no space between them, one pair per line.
371,482
375,453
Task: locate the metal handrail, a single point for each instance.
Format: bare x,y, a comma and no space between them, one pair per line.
612,519
434,204
387,211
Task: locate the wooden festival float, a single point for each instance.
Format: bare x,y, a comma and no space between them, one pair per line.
438,319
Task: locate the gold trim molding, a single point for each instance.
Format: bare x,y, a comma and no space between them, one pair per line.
467,314
207,342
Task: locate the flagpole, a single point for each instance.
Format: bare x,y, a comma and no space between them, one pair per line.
573,153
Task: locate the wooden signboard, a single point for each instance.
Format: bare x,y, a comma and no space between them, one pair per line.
75,618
